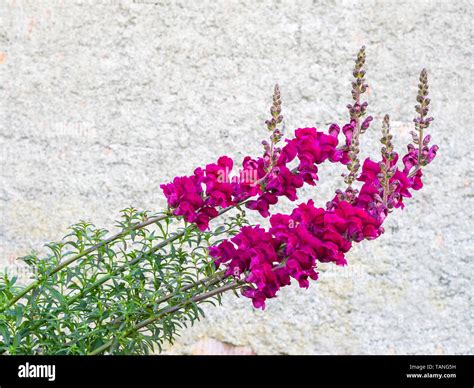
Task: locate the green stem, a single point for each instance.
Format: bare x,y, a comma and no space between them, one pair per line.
207,282
167,311
125,267
64,264
71,260
135,261
216,278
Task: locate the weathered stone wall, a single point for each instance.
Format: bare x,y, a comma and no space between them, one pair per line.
103,101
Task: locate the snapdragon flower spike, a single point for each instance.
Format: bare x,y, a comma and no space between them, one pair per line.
268,260
420,153
271,151
357,111
295,243
291,248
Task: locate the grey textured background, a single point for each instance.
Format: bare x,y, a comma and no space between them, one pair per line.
103,101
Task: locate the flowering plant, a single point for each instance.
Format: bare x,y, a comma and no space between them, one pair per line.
132,291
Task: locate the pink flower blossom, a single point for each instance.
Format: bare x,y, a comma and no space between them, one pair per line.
292,247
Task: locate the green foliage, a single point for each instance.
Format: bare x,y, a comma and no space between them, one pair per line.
128,294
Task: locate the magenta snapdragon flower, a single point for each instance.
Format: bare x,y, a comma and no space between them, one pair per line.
267,260
291,248
198,197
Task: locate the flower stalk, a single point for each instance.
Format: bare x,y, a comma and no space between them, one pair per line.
357,111
386,166
167,311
